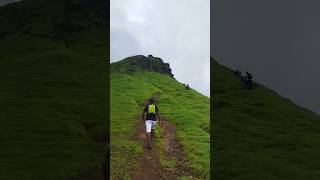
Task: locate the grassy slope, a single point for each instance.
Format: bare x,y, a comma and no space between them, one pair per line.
260,135
187,109
53,86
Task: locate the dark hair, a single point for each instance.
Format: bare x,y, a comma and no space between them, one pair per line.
151,100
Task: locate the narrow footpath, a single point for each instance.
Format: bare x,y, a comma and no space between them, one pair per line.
149,167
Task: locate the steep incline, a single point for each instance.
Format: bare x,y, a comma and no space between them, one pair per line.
186,110
259,134
53,65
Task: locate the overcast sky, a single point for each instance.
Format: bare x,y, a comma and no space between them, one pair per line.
4,2
177,31
279,41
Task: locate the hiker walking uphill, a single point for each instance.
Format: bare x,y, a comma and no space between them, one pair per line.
152,114
249,80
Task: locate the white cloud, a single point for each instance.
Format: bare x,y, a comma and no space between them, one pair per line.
176,31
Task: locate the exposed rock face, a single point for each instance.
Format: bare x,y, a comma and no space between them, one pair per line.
150,63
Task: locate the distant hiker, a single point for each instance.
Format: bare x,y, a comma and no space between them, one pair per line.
249,80
187,87
237,72
243,78
152,114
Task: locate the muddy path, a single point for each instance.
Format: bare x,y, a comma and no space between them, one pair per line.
149,164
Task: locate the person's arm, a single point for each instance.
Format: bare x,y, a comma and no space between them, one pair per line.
143,112
158,116
142,115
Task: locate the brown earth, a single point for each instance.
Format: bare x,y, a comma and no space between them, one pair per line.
149,167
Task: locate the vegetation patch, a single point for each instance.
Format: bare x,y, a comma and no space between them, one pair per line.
260,135
189,112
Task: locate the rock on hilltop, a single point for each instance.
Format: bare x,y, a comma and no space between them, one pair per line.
140,62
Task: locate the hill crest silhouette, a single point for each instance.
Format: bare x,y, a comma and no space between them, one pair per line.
141,62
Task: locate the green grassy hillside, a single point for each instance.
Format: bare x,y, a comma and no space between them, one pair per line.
259,134
53,65
188,110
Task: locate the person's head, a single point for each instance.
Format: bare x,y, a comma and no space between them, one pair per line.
247,72
151,101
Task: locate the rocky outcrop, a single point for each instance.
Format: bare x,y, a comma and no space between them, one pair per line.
149,63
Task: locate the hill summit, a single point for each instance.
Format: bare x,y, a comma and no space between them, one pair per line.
141,62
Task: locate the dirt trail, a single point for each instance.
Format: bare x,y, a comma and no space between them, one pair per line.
149,167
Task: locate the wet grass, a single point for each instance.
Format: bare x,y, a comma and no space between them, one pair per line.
188,110
53,95
259,134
